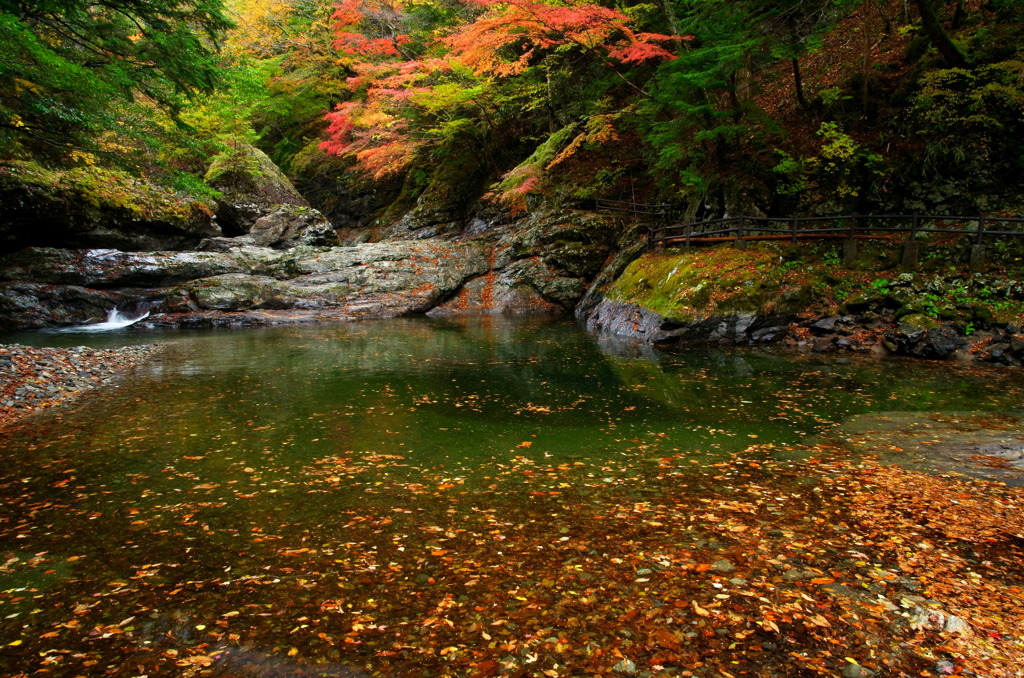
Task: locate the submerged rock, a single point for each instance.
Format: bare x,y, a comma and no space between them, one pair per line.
67,372
983,445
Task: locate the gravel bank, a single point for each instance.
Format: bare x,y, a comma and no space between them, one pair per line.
33,378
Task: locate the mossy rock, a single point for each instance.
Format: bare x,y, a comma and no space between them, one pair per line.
250,184
577,259
691,286
95,207
916,323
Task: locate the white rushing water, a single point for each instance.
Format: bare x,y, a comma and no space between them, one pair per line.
115,320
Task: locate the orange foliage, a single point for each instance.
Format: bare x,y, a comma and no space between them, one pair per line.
367,28
509,36
396,99
377,139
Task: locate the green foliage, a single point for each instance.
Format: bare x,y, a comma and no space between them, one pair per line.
830,258
972,121
71,70
706,132
834,178
190,184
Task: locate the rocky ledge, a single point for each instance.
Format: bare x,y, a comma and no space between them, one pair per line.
244,285
286,273
32,379
748,297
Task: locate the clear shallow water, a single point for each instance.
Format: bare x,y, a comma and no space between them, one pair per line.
243,455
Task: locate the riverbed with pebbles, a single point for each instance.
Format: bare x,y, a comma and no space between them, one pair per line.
35,378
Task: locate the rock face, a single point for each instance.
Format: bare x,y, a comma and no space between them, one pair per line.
540,263
500,294
284,227
441,207
57,287
105,268
279,272
43,208
250,185
31,305
636,322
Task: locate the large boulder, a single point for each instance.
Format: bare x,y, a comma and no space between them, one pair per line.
250,185
89,207
716,296
288,226
626,319
284,227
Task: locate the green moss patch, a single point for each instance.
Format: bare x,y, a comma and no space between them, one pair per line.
684,287
104,188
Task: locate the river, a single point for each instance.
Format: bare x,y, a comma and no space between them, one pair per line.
247,482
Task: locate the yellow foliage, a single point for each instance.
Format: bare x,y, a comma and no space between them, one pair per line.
599,129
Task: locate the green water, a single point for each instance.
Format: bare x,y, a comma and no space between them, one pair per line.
259,456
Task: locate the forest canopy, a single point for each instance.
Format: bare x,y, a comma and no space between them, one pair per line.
762,106
73,71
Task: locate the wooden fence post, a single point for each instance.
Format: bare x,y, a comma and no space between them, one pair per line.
850,244
740,244
910,247
978,249
689,233
792,229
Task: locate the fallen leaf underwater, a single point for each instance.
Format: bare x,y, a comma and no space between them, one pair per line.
302,557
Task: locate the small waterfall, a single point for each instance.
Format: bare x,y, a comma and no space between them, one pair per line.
120,316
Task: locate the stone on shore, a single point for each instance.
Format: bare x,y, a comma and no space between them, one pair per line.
36,378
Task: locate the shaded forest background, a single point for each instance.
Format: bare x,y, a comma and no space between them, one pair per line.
373,107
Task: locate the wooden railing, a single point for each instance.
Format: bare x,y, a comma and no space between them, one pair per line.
662,212
741,229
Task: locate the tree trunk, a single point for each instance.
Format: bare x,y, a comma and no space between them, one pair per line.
670,18
950,52
798,84
865,63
